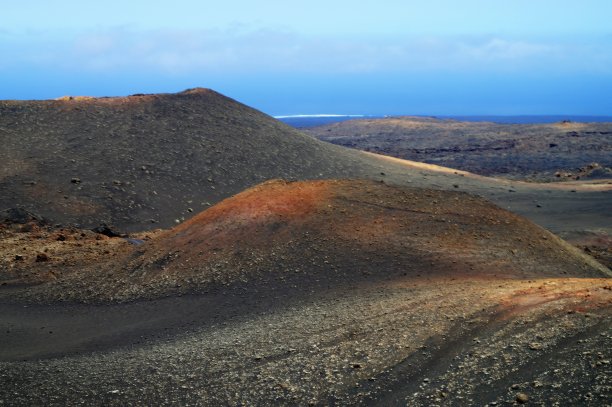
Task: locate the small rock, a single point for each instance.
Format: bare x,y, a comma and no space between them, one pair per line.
522,398
19,215
40,257
537,383
75,180
106,230
19,257
535,346
285,386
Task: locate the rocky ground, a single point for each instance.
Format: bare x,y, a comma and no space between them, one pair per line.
392,303
419,342
408,289
535,152
334,231
597,245
145,162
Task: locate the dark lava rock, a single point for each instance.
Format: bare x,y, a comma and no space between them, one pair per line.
19,215
107,231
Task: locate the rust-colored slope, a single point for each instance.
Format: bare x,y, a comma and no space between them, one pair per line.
327,232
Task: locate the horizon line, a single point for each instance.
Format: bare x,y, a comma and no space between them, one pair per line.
331,115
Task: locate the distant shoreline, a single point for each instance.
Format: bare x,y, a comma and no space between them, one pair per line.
304,120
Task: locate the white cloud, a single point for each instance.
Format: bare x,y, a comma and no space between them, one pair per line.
96,44
500,49
241,49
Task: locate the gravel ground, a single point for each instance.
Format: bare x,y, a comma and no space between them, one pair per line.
410,342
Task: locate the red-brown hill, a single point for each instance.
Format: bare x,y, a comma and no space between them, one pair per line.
328,232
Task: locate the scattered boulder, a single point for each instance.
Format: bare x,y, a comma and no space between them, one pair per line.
591,171
522,398
106,230
20,216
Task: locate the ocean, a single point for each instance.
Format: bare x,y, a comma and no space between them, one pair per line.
305,121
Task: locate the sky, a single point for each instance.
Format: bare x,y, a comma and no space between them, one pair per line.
435,57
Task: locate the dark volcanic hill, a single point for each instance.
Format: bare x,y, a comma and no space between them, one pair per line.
541,152
146,159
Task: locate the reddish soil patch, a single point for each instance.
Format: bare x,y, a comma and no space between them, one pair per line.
255,217
326,231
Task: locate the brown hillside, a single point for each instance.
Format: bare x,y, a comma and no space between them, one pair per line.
321,232
144,161
320,292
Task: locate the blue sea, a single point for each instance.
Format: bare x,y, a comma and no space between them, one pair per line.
305,121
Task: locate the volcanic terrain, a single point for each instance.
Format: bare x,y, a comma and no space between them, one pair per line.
320,292
399,284
148,161
537,152
329,230
145,160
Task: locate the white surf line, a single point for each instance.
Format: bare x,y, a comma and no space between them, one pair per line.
306,116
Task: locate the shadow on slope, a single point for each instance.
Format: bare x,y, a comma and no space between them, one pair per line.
321,233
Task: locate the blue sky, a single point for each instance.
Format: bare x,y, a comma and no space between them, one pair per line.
385,57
